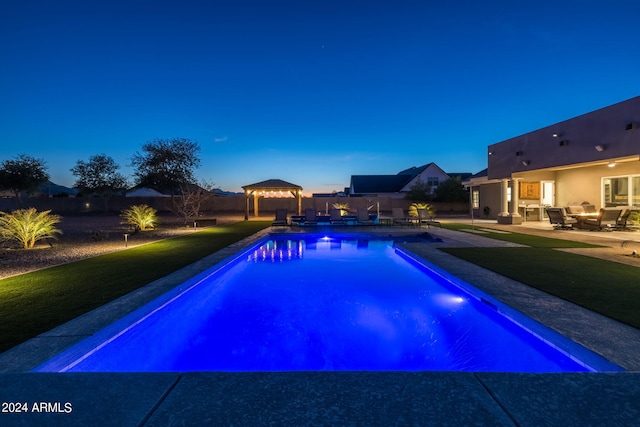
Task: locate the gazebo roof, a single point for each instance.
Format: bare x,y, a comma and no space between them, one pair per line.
272,184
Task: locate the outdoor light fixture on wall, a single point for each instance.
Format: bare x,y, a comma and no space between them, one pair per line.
525,162
600,147
563,142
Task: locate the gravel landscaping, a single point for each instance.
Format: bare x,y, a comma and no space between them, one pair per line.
89,236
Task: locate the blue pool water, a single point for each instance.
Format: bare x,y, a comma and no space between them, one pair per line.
318,303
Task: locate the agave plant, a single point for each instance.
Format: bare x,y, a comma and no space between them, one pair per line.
415,208
140,216
343,207
27,226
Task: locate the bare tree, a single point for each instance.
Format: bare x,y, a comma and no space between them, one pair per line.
188,203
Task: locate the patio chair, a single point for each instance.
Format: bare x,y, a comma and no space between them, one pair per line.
621,224
606,220
559,219
398,217
281,218
425,218
363,217
336,217
310,217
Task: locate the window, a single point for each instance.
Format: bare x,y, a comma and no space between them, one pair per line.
475,199
621,190
432,181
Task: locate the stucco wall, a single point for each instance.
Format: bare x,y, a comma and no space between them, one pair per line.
227,204
585,184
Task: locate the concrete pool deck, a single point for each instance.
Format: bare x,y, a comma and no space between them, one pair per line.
338,398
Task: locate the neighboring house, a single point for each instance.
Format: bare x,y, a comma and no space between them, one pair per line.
592,158
399,184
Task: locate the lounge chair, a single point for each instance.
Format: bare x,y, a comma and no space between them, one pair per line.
425,218
363,217
559,219
606,220
310,217
281,218
398,216
336,217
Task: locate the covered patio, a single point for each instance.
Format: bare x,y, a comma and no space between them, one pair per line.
270,188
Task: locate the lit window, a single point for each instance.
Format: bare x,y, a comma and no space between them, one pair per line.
621,190
432,181
475,199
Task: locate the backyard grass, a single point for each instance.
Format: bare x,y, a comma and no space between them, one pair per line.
33,303
606,287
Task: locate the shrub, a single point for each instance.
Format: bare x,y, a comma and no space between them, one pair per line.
415,208
342,207
140,216
27,226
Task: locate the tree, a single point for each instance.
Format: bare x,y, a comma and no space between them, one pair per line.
166,164
99,176
419,191
24,174
451,190
27,226
188,202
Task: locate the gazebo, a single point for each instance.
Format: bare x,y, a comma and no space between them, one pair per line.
270,188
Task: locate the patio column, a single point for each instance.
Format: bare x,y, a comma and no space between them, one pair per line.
504,185
516,218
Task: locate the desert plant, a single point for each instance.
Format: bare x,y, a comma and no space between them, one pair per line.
140,216
415,208
343,207
27,226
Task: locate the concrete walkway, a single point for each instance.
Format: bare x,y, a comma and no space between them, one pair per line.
339,398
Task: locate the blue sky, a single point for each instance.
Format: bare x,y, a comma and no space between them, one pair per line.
310,92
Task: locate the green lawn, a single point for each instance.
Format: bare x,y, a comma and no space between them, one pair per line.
36,302
606,287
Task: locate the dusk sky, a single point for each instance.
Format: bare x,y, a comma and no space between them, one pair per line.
310,92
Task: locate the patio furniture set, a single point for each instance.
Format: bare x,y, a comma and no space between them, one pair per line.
586,217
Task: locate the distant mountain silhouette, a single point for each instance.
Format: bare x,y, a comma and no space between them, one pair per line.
51,189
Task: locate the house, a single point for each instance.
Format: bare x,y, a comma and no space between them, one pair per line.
397,185
593,158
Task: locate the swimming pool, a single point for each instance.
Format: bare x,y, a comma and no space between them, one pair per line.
325,303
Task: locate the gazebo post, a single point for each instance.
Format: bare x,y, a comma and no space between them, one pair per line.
246,205
256,196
